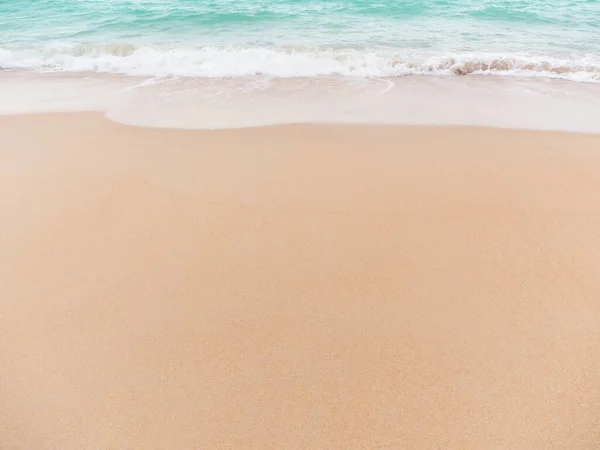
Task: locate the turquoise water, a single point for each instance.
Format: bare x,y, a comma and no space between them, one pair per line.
304,38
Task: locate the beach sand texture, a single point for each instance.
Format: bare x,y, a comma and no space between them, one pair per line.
305,286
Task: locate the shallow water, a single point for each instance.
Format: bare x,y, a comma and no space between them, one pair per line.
244,102
216,64
306,38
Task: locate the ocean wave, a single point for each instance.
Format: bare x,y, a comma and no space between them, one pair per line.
216,62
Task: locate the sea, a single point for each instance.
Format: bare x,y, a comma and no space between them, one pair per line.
226,63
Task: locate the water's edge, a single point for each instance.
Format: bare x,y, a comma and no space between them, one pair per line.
194,103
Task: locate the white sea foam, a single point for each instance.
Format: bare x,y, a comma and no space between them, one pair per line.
215,62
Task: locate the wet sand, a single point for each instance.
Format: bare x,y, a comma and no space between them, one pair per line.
305,286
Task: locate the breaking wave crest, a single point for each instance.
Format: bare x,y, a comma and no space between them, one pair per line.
214,62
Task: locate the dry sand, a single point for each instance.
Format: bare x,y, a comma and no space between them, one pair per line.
297,287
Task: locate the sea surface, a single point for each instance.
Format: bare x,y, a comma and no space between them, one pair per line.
198,50
304,38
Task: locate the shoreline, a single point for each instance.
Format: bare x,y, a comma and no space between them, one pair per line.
205,103
297,286
99,115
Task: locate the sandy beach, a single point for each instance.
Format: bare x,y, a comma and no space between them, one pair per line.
301,286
